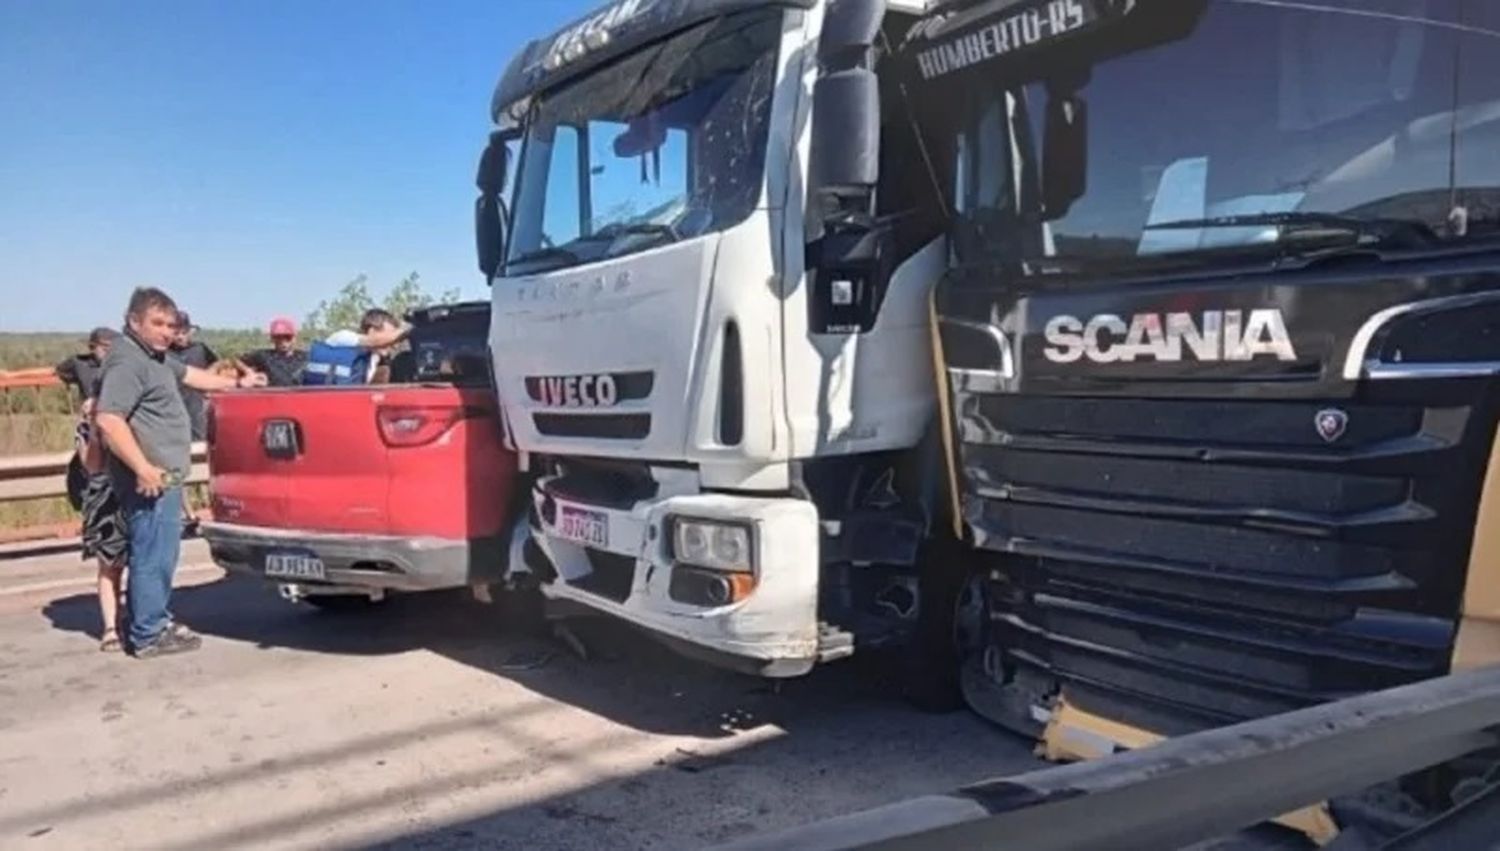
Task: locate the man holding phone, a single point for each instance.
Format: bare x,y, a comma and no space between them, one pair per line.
149,434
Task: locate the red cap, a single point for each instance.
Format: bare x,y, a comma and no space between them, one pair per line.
283,327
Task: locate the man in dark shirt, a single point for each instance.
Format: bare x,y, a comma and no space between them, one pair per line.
283,363
145,425
195,354
83,371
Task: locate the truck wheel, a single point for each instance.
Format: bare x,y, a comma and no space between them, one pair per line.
950,626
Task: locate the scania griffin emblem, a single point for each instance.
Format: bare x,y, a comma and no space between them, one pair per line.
1331,423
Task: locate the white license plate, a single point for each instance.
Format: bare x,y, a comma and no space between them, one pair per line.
590,528
295,566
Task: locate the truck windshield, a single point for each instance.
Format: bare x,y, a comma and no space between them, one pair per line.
665,144
1269,121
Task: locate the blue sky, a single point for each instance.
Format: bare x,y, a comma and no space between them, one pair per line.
247,157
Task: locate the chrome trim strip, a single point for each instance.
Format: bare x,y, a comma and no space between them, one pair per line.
1356,362
980,380
1002,342
1394,371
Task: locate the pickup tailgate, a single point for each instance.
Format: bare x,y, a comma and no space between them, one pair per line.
406,460
301,458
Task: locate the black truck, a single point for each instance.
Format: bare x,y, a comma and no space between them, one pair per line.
1221,341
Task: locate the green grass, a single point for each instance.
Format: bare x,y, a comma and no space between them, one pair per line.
24,351
38,421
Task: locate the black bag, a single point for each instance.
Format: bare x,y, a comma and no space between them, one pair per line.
78,479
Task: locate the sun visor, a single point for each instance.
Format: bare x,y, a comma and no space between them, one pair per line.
606,34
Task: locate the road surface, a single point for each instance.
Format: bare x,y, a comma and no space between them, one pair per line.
422,725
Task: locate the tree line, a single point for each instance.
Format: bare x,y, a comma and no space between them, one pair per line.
342,310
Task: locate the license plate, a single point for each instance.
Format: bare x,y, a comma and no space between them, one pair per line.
295,566
583,526
279,438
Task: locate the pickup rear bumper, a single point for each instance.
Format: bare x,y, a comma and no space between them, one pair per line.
384,562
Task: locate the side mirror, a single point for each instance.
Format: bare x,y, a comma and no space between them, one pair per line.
846,131
849,262
1065,154
846,99
494,165
489,208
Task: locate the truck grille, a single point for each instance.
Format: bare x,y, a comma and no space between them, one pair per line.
609,426
1179,564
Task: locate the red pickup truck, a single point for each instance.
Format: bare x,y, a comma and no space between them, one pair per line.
340,494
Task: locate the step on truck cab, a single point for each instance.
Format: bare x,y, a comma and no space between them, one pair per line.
341,493
710,323
1220,341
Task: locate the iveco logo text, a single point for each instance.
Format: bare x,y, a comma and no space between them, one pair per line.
1023,29
579,391
548,291
1218,335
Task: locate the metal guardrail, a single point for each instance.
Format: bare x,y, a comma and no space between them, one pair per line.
1201,786
25,477
27,379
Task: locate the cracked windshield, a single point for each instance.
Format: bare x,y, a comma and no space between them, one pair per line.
664,145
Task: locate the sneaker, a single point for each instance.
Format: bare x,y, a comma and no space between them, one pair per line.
181,631
169,642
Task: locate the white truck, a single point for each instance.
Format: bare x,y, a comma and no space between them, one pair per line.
711,330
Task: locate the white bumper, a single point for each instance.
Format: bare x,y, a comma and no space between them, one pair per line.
771,632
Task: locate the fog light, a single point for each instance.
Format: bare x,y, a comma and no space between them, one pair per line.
711,544
709,589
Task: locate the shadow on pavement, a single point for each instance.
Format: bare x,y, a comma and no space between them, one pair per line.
771,756
626,677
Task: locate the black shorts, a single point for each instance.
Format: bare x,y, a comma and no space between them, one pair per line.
104,532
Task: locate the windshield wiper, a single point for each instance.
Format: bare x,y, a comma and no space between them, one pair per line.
633,229
1305,226
551,252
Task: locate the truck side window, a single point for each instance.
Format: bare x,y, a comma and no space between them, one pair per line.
564,217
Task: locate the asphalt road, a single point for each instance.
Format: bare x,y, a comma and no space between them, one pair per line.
422,724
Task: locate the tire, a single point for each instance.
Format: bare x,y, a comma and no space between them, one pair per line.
949,627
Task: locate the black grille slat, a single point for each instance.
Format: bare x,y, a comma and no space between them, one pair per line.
615,426
1186,481
1209,560
1302,659
1270,601
1207,546
1201,422
619,484
612,577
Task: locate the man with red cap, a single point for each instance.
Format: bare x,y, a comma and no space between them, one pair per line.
283,362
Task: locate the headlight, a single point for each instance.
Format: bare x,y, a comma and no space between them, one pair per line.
705,543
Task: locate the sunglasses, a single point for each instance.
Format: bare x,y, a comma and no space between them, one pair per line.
282,338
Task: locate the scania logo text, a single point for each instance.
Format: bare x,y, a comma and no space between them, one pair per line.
1215,335
579,391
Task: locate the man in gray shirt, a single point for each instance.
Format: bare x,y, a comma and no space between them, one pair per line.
149,434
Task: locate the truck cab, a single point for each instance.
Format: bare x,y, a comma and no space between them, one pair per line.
1219,346
710,324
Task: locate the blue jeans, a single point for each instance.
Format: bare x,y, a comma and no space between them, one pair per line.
155,529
